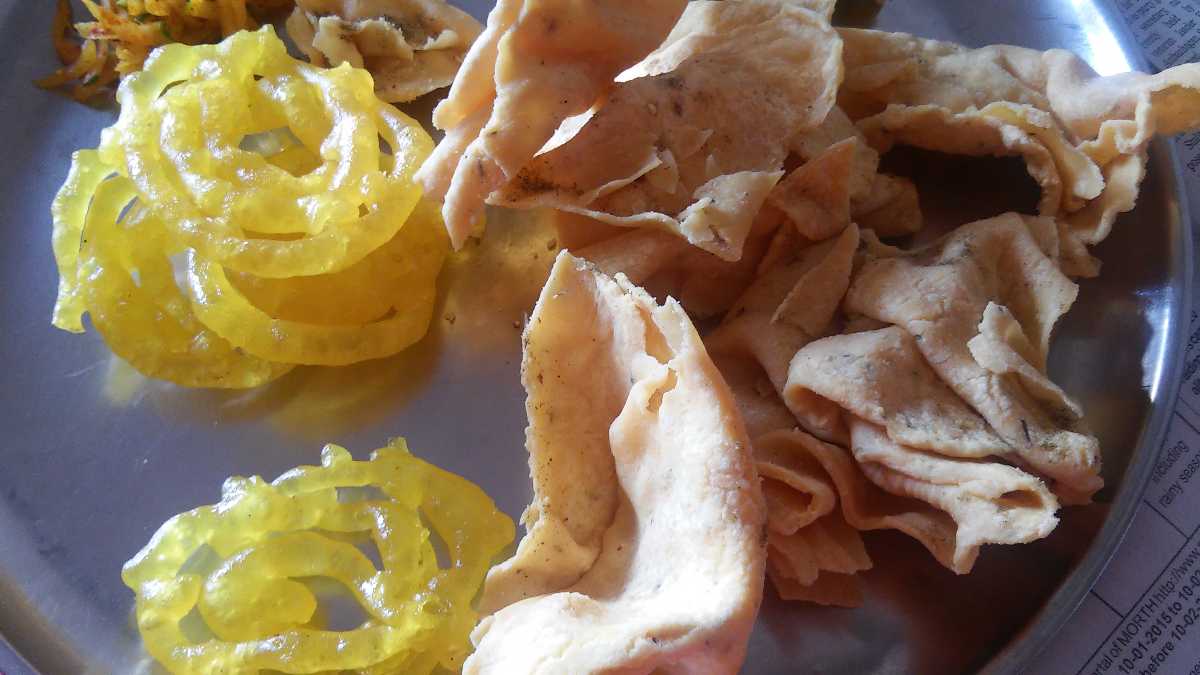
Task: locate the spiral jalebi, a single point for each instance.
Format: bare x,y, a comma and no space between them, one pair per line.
263,539
288,190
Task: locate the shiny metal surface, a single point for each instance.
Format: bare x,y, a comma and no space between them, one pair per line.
95,457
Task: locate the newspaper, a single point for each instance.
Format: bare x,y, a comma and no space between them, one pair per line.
1169,34
1143,616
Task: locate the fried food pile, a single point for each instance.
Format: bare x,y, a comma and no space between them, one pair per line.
644,548
246,566
536,66
410,47
284,193
890,373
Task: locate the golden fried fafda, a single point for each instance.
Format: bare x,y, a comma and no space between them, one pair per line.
865,506
665,264
659,563
881,377
812,554
999,261
790,304
819,563
1068,178
695,142
989,502
410,47
816,195
1109,120
879,201
536,64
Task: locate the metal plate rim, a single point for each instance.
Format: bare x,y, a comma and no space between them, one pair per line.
1058,609
1062,604
1038,634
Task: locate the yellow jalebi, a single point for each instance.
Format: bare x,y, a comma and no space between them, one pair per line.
288,189
145,318
263,539
178,138
373,309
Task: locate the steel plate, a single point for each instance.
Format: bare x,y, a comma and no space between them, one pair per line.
95,457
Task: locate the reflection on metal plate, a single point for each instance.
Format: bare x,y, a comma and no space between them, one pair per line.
95,457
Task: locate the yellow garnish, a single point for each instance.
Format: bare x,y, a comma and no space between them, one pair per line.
122,34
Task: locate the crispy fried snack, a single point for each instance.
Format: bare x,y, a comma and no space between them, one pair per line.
269,174
262,539
410,47
692,139
123,33
644,544
535,65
